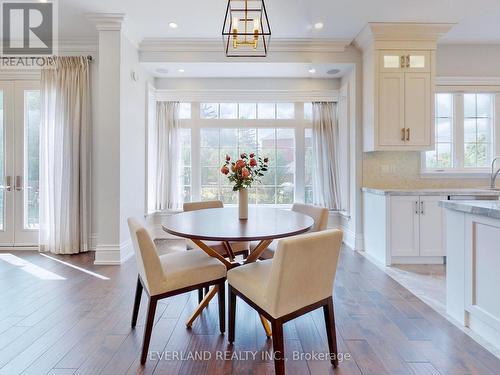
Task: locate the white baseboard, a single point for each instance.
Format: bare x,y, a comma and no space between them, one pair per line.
416,260
113,255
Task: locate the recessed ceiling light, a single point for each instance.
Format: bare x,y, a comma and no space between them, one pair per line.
312,70
173,25
333,71
180,70
318,25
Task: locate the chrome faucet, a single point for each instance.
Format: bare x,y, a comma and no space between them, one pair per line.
494,174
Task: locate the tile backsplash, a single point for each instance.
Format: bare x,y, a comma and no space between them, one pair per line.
401,170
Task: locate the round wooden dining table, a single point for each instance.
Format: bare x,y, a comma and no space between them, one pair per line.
223,225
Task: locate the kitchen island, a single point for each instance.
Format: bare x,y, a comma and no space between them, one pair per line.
472,240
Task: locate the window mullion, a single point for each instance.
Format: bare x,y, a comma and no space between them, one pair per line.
458,131
496,126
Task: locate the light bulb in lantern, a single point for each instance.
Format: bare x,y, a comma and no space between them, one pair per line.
235,24
256,25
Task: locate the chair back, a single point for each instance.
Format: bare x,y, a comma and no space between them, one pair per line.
303,271
195,206
148,260
319,215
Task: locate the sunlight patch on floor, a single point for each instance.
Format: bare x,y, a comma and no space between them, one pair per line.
30,268
76,267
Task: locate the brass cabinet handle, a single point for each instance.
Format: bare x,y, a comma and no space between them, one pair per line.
403,63
19,183
407,61
422,207
8,183
407,134
416,208
403,134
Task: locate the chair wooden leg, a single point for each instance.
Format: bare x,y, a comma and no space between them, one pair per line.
278,347
137,302
331,332
200,295
232,313
148,329
221,290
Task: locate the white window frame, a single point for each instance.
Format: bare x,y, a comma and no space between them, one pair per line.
458,171
299,124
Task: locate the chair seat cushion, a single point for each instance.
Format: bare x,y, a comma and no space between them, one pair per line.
251,280
187,268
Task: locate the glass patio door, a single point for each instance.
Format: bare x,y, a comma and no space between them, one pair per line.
19,163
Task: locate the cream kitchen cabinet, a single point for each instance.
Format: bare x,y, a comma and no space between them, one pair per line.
398,85
404,229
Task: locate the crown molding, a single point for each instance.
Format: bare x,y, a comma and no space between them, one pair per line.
159,45
246,95
107,21
78,45
389,32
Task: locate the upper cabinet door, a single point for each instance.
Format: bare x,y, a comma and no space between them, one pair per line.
391,115
392,61
418,61
417,110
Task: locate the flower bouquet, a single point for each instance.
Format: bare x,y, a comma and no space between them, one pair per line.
243,172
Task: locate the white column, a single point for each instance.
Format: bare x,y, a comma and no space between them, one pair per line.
106,140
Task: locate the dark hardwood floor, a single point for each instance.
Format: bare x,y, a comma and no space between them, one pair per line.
80,324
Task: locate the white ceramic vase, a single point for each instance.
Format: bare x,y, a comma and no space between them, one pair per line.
243,204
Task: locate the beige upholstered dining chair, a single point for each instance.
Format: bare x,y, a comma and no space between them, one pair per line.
162,276
234,248
318,214
297,280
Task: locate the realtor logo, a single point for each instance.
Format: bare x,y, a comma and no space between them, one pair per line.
28,28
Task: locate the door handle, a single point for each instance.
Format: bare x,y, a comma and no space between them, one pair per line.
407,134
422,208
403,134
416,208
19,183
8,183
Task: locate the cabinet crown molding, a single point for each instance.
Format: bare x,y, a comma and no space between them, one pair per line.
382,34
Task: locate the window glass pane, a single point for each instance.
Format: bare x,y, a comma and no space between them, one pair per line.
31,159
247,140
2,167
285,111
184,111
442,156
209,156
209,110
209,137
478,130
444,105
248,111
308,111
228,110
266,111
308,166
417,61
443,130
186,164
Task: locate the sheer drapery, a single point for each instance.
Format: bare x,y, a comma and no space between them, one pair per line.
168,194
325,143
64,156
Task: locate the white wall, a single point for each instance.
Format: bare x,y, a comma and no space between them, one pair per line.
468,60
132,137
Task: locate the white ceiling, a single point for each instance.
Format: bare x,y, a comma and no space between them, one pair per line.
477,21
247,70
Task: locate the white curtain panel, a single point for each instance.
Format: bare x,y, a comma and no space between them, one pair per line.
64,157
326,166
168,190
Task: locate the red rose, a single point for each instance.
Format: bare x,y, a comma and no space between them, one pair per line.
233,167
253,162
224,170
243,156
245,173
240,164
252,155
228,157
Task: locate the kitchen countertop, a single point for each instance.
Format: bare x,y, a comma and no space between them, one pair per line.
482,208
452,191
